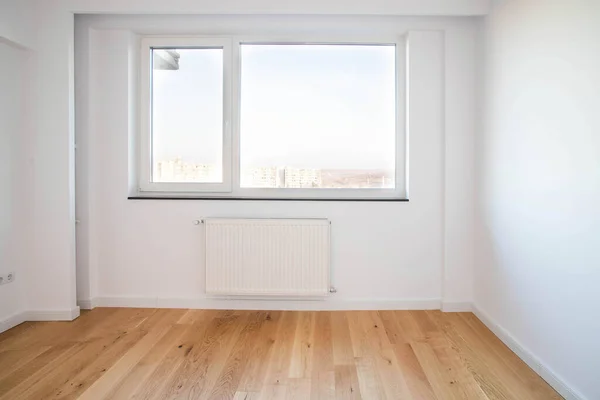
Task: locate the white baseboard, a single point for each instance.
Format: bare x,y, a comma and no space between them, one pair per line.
529,358
88,304
12,321
38,315
457,306
52,315
271,304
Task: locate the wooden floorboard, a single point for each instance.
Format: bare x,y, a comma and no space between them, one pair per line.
252,355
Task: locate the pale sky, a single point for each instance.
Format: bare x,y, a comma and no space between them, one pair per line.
308,106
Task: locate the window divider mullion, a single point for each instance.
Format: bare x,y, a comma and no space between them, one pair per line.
235,148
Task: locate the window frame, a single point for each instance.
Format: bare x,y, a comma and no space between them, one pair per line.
231,186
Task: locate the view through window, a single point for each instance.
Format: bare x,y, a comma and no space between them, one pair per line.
318,116
187,115
300,116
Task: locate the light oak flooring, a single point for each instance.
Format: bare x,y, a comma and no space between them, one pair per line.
112,353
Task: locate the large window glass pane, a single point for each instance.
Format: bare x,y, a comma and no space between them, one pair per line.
318,116
187,115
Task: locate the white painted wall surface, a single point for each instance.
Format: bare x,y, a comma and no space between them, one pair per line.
14,174
384,254
538,259
52,277
16,22
278,7
460,114
51,118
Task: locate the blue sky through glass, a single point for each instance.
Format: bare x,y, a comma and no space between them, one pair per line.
318,106
306,106
188,108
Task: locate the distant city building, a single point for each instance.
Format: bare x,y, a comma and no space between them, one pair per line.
178,171
262,177
281,177
303,178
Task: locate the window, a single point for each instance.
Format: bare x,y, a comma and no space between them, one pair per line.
186,113
303,120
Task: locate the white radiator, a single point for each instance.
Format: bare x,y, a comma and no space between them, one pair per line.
287,257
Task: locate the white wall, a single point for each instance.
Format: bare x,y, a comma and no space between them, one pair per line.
52,278
392,255
53,271
277,7
538,259
14,174
16,22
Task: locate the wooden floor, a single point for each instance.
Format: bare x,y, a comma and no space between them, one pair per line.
208,354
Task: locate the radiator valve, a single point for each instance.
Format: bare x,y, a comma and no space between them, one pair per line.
332,290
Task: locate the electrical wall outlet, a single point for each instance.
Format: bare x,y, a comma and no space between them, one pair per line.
7,278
